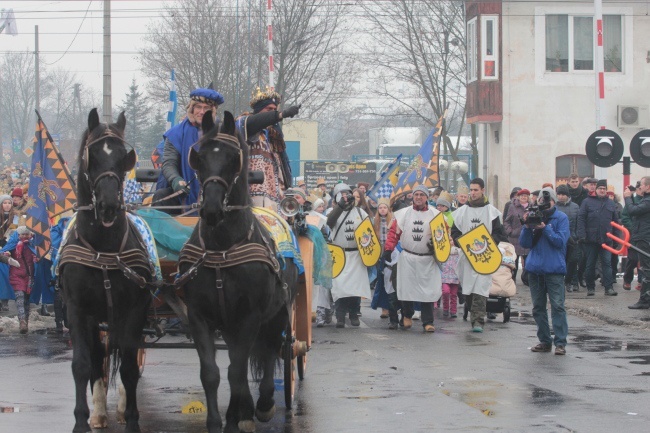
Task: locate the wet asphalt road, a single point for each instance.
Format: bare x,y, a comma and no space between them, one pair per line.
370,379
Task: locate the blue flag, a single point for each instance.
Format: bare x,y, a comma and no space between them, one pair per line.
423,170
51,188
173,103
383,187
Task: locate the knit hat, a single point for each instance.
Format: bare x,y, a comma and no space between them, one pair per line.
523,192
514,191
423,189
318,202
562,189
4,197
445,199
601,183
17,192
551,193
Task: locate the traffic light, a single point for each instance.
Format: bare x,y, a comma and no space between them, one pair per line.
640,148
605,148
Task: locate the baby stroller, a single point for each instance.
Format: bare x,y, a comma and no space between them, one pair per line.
503,286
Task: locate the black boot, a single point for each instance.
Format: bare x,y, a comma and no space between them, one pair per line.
644,299
44,311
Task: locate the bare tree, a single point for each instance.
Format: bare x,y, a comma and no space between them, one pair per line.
419,62
17,103
213,41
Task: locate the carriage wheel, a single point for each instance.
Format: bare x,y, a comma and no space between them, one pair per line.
506,314
302,366
289,361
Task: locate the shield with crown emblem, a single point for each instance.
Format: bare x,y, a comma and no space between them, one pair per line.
367,243
481,250
440,238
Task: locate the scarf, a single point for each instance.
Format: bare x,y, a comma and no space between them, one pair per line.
479,202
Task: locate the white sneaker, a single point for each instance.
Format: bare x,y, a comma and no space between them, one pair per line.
416,315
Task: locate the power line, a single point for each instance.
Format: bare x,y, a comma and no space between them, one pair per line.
74,38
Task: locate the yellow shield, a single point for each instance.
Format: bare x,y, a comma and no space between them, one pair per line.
338,259
440,238
368,243
481,250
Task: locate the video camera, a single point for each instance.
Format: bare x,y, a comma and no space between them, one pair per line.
536,211
633,188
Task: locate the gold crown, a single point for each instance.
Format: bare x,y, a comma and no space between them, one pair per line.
266,93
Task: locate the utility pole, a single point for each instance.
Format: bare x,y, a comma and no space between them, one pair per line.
107,107
37,104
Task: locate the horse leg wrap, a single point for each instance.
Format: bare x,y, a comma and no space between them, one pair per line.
121,404
247,426
265,416
99,417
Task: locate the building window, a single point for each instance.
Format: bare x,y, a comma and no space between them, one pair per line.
567,164
490,47
472,51
570,44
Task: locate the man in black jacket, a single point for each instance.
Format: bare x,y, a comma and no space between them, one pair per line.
596,214
566,205
640,214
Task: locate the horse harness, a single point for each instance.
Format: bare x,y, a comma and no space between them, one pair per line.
242,252
123,260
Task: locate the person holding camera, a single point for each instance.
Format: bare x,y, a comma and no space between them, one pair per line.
352,283
640,214
546,266
596,214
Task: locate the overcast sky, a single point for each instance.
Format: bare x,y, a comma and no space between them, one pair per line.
71,37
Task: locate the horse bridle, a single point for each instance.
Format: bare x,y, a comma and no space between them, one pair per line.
233,143
110,174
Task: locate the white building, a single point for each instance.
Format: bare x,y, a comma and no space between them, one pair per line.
531,88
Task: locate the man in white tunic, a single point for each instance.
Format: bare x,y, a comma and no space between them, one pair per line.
477,211
352,284
418,276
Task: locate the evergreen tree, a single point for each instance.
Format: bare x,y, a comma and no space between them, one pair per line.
137,111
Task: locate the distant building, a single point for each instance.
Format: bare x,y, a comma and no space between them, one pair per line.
531,87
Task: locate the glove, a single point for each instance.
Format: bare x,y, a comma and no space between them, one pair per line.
386,257
178,184
13,262
291,111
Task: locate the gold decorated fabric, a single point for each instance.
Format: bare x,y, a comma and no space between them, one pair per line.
480,250
367,243
440,238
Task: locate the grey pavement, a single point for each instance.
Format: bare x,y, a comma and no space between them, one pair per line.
609,309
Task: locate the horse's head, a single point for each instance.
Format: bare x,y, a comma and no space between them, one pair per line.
103,160
220,160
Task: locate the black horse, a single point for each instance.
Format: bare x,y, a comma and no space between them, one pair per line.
248,302
94,288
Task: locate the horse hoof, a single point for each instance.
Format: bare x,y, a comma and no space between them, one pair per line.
265,416
247,426
99,421
81,429
120,418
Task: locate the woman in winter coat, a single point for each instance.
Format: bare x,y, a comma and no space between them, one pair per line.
512,227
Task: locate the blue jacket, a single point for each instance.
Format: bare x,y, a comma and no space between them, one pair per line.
548,254
594,220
